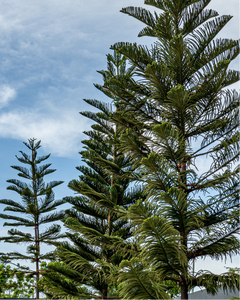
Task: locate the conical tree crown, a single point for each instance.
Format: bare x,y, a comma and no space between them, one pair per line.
95,221
35,207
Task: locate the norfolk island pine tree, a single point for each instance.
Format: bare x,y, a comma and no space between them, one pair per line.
35,208
177,110
94,222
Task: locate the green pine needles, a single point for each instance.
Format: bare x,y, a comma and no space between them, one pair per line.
177,112
99,236
33,211
94,224
158,190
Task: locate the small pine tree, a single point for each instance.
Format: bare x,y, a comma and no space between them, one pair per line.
35,209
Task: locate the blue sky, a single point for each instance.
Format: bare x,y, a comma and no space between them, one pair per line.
49,54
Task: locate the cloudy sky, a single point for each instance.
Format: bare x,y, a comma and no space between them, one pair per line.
49,54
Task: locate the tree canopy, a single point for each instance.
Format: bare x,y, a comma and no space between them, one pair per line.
178,110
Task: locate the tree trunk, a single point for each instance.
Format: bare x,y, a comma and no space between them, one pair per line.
37,259
183,179
104,293
184,290
36,225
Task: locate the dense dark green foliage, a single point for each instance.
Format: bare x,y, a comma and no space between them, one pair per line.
34,210
177,113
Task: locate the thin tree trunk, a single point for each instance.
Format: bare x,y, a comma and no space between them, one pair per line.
36,227
112,182
184,290
109,216
37,258
183,179
104,293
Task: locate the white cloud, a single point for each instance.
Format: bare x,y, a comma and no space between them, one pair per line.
6,94
59,131
46,45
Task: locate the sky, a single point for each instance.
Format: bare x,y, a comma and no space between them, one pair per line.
49,54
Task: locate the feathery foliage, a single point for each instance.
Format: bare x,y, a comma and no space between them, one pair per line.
95,223
34,210
178,112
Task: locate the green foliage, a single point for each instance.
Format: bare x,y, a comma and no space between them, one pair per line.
14,283
33,211
178,112
237,272
139,281
173,111
98,234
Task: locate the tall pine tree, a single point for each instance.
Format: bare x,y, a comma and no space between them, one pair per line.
35,209
95,221
177,113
